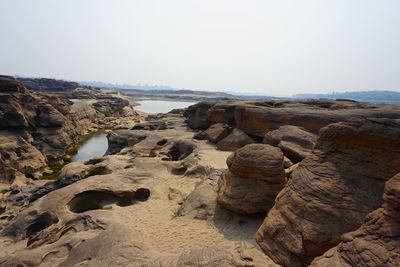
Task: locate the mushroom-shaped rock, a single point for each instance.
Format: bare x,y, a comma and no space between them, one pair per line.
295,142
255,177
258,161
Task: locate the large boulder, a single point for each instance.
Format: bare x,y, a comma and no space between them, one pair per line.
217,132
332,190
258,161
245,195
255,176
196,115
235,140
295,142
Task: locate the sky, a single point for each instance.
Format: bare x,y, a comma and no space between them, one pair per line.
268,47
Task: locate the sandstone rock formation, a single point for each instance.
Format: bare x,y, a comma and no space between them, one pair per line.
119,139
376,242
332,190
295,142
120,209
37,129
254,178
235,140
217,132
256,118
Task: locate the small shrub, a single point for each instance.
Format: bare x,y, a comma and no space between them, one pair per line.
176,213
107,113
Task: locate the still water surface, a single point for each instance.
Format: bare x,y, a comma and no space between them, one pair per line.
95,146
159,106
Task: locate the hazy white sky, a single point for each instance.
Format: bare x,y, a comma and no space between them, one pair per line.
271,47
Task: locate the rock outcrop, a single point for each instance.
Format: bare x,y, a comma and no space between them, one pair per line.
295,142
377,242
256,118
217,132
37,129
150,203
332,190
235,140
254,178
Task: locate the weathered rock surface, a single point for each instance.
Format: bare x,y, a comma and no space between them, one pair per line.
217,132
377,242
150,126
258,161
37,129
332,190
256,118
295,142
255,176
120,139
235,140
120,210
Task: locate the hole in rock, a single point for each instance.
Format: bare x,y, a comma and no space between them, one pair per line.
180,150
43,221
162,142
93,200
99,170
142,194
179,171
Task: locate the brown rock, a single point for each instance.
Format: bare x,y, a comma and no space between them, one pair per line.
19,156
295,142
9,84
196,115
245,195
256,118
332,190
377,242
258,161
217,132
255,176
48,116
235,140
120,139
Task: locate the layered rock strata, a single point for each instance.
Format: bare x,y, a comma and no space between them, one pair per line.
332,190
254,177
37,129
377,242
295,143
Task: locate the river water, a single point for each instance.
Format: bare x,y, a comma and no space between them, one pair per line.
159,106
95,146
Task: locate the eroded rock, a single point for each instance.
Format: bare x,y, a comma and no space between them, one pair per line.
377,242
235,140
255,176
295,142
332,190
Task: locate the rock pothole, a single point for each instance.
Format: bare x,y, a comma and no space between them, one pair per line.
180,150
93,200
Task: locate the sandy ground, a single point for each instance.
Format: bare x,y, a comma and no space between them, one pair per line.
156,218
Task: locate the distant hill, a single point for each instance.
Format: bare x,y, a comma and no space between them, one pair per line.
387,97
128,86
